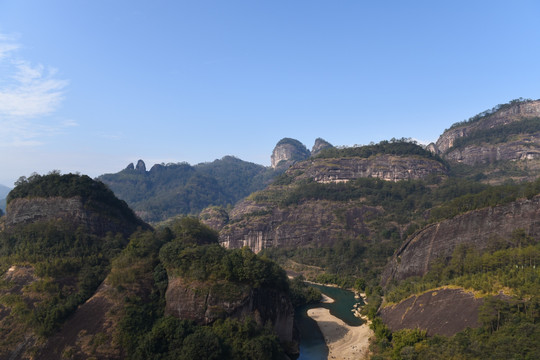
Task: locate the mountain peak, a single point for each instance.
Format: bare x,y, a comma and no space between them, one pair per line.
287,152
141,166
319,145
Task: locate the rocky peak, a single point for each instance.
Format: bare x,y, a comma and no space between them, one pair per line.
287,152
140,166
130,167
320,144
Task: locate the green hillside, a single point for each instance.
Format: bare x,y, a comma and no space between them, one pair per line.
176,189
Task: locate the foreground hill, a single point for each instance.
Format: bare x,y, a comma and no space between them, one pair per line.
176,294
73,199
60,235
83,277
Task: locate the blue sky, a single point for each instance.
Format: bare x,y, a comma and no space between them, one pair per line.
91,86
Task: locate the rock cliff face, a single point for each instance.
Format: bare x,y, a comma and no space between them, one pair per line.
206,302
312,223
519,111
385,167
439,312
479,228
72,210
261,225
287,152
524,147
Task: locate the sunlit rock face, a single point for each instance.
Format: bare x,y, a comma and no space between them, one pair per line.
205,302
479,228
517,112
287,152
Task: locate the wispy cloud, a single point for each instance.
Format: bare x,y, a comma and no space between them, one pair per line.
29,93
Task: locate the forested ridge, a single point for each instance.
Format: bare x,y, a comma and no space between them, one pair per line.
181,189
189,250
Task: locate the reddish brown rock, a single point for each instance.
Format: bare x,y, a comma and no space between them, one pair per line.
478,228
441,312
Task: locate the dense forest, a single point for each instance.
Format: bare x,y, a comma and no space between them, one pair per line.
182,189
63,265
189,250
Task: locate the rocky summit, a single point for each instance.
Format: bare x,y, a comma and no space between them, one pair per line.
287,152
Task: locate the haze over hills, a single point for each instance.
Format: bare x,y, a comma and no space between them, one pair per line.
431,237
4,190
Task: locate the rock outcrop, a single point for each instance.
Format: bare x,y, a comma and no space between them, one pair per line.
24,211
523,147
504,116
261,225
312,223
287,152
205,302
385,167
439,312
478,228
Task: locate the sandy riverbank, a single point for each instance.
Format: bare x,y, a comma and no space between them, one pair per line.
343,341
326,299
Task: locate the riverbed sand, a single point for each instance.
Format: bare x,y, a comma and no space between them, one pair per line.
343,341
325,299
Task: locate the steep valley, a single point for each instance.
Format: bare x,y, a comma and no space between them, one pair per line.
443,241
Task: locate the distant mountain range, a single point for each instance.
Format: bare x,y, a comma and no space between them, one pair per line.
168,190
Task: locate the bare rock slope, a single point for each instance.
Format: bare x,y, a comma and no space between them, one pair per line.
440,311
478,228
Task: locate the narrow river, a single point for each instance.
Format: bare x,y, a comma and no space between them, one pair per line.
312,345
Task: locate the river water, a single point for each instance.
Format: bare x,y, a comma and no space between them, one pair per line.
312,345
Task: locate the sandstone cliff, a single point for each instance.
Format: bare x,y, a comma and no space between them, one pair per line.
261,224
506,115
205,302
384,166
287,152
523,147
439,312
312,223
479,228
99,220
